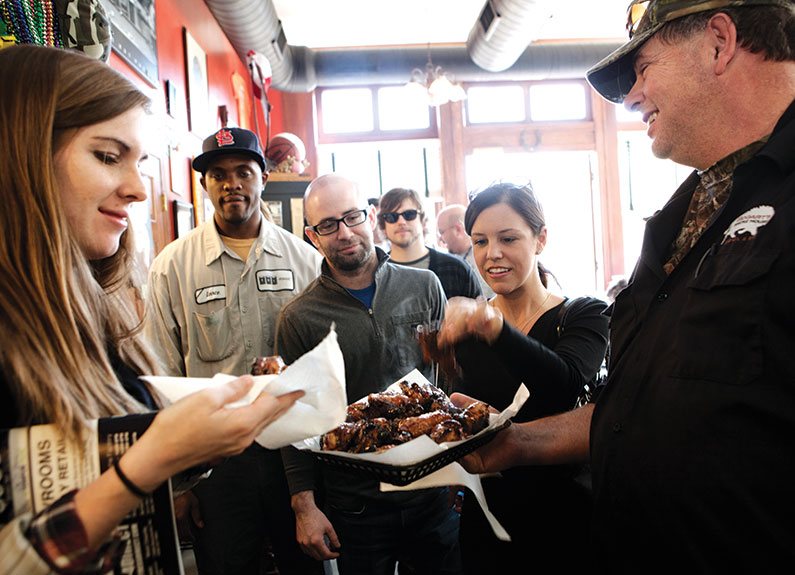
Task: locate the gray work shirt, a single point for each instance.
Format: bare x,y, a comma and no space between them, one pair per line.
211,312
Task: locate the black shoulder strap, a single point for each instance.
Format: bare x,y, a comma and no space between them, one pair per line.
564,309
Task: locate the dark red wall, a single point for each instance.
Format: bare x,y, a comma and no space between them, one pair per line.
178,143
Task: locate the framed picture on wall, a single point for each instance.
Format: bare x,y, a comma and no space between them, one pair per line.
142,215
134,35
198,86
275,211
183,218
201,201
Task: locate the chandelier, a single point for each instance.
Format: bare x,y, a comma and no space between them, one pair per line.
434,85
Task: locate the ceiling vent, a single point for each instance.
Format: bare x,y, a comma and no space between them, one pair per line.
254,25
504,29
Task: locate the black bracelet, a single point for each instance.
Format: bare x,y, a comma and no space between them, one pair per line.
134,489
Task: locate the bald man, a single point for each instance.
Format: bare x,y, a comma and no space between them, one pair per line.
376,306
450,229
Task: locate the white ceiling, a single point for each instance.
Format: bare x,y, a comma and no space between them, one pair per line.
344,23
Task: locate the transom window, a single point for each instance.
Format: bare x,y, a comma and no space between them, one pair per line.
527,101
373,113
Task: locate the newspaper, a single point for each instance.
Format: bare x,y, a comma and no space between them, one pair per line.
38,465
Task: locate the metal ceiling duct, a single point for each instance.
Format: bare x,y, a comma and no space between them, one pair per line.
504,29
394,65
254,25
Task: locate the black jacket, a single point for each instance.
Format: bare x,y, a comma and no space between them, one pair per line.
693,438
458,279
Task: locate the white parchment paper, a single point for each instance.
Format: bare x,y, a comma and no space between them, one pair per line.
320,373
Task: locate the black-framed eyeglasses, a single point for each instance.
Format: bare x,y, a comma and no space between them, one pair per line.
408,215
330,226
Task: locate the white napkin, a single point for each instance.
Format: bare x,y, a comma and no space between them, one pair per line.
320,373
454,474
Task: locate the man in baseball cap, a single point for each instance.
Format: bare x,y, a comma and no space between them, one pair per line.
614,76
228,141
214,296
692,437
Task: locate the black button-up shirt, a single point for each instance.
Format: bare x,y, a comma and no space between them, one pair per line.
693,438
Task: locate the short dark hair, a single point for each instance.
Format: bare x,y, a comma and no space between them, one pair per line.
391,201
521,199
766,30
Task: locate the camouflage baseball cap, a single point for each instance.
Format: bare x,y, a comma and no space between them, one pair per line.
614,76
85,27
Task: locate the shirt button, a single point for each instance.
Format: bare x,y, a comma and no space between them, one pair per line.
616,427
248,344
243,309
662,296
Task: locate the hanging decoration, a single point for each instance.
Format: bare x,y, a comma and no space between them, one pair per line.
31,22
261,74
77,24
435,84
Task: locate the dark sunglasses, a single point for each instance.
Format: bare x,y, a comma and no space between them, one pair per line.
408,215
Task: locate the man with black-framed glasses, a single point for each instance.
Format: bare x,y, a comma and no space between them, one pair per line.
376,307
401,217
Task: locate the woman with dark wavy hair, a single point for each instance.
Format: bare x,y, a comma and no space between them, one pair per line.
72,132
525,334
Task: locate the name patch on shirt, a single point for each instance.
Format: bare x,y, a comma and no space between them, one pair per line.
747,225
275,280
210,293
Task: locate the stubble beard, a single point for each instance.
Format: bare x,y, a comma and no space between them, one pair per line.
406,243
354,261
236,213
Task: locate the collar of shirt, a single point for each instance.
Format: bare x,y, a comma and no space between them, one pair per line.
724,169
779,149
266,240
382,256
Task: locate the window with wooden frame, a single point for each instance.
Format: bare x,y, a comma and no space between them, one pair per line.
373,113
528,101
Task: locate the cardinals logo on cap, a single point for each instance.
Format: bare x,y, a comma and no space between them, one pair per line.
224,138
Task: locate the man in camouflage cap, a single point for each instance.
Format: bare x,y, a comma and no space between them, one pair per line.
692,439
614,76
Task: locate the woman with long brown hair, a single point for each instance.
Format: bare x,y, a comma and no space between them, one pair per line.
72,133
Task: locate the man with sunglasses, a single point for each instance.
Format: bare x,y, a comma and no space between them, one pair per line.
692,441
401,217
376,307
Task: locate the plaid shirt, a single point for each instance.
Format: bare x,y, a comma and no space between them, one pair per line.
58,535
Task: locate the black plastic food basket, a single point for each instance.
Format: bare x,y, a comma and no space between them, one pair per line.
405,474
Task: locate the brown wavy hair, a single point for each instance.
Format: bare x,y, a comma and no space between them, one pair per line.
60,313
